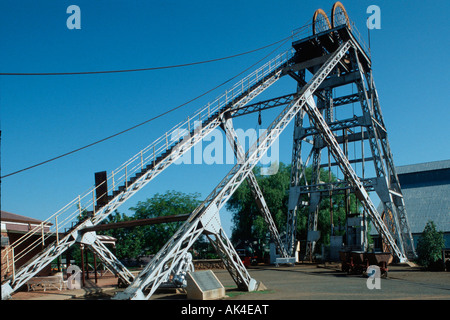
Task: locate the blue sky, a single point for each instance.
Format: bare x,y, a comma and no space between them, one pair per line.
45,116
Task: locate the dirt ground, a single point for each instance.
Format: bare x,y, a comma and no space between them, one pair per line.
91,290
299,282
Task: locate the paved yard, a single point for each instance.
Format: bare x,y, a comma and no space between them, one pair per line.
300,282
313,282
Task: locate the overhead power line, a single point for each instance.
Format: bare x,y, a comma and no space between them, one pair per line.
140,69
283,41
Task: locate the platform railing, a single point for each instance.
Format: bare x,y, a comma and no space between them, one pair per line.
307,30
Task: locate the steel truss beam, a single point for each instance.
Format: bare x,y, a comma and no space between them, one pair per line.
388,187
325,188
373,129
315,197
112,263
359,160
286,99
340,101
348,171
303,132
227,126
391,174
263,105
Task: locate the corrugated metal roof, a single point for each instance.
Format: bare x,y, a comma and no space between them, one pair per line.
428,203
421,167
13,217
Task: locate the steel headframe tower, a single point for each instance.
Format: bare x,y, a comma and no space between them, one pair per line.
334,58
349,92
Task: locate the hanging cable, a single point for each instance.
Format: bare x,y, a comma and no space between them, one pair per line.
149,120
140,69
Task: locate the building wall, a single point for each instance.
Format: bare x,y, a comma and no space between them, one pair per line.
7,254
426,191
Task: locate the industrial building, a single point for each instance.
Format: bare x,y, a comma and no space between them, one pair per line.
426,190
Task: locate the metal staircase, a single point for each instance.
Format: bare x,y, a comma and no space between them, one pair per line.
133,175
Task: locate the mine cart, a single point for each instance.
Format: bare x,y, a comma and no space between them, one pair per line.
380,259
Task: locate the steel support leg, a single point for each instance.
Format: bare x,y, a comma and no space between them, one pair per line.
380,149
156,272
111,261
227,125
346,168
394,183
215,234
314,200
297,174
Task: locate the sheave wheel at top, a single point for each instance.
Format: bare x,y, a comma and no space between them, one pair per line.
320,22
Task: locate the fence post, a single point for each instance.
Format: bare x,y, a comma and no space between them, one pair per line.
113,184
42,234
13,264
57,233
79,204
167,142
93,200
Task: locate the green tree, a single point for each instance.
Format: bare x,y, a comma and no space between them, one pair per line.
430,245
247,221
249,224
149,239
130,241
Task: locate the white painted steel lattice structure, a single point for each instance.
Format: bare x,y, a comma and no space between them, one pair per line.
333,57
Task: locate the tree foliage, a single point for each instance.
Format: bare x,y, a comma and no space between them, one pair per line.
249,224
430,245
247,221
149,239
